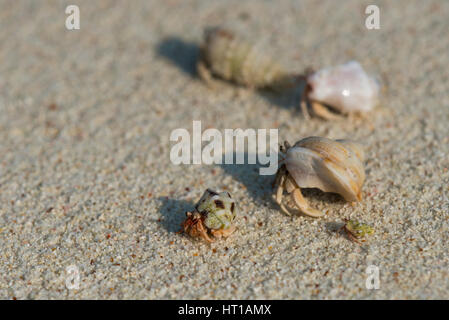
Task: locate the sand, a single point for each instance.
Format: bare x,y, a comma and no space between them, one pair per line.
85,172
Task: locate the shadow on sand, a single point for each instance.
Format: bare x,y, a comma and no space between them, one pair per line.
334,227
184,55
173,212
259,186
288,99
181,53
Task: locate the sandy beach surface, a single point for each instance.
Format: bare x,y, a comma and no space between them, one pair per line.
86,180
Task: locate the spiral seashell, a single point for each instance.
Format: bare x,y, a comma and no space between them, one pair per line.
329,165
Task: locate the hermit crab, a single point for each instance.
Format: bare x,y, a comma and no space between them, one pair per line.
213,216
357,231
346,88
316,162
229,57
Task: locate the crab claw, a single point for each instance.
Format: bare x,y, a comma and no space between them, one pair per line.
303,205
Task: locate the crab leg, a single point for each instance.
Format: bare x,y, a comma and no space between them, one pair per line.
303,205
223,232
323,112
185,225
203,71
351,237
203,232
276,180
285,209
279,195
304,108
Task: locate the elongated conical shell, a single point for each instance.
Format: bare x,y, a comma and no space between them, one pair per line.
346,87
329,165
234,59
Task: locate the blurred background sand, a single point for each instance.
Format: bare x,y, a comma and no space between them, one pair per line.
86,179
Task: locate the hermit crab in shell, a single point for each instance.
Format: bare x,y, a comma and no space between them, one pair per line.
229,57
346,88
316,162
357,231
213,216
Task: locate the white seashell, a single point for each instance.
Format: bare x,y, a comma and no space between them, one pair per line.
329,165
347,88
